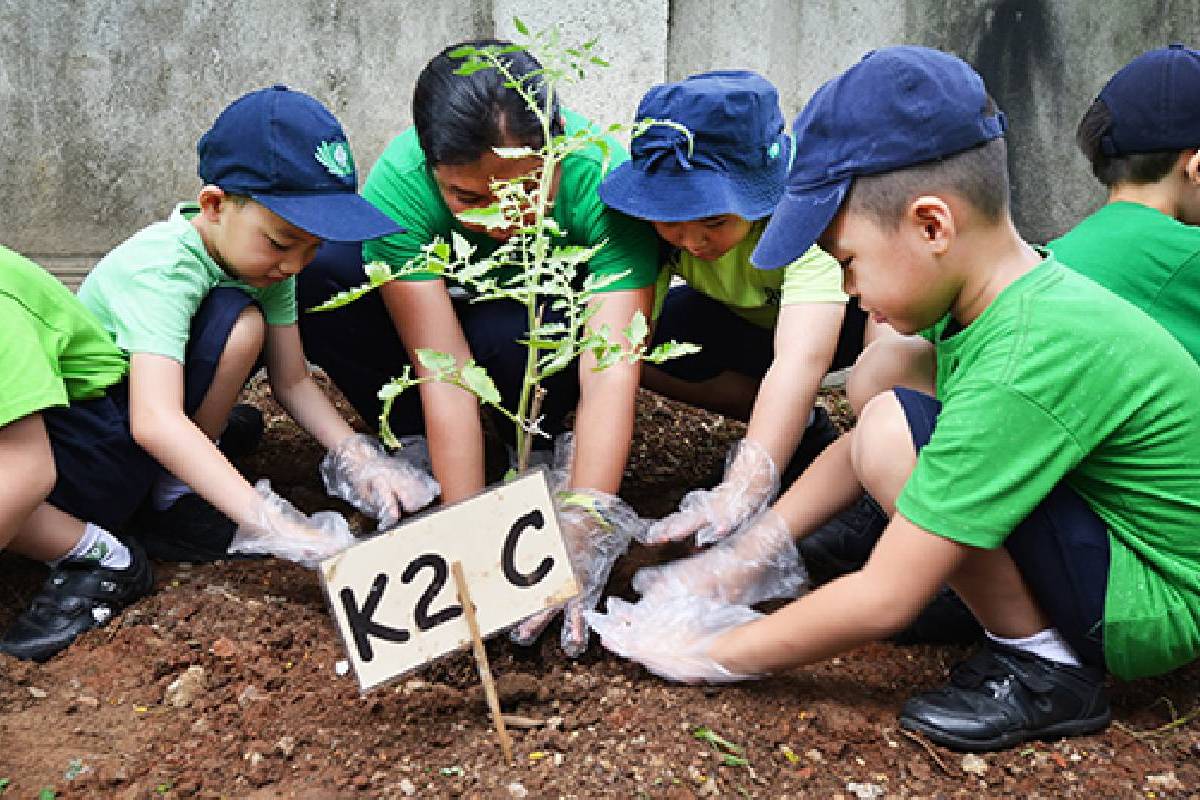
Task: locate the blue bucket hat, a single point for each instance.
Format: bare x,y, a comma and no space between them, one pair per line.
739,157
896,107
284,150
1154,102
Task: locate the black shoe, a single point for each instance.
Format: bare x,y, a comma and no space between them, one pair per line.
946,620
1000,697
190,530
79,595
820,433
843,544
243,431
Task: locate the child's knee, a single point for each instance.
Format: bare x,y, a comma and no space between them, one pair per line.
247,337
890,361
881,448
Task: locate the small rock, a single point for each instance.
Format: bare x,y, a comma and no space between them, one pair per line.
182,691
223,648
341,667
87,701
814,755
1166,782
286,746
36,693
250,695
200,725
974,765
518,791
407,788
866,791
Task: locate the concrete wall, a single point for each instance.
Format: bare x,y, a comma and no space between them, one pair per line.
103,100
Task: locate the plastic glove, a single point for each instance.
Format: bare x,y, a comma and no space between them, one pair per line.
275,527
759,562
360,471
597,529
750,484
671,637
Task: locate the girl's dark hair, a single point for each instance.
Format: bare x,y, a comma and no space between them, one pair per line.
460,117
1111,170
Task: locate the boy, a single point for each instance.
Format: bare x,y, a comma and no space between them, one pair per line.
1059,491
61,421
767,338
1141,136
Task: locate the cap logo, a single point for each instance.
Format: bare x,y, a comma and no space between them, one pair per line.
335,157
773,151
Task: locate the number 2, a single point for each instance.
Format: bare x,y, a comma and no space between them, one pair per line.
441,572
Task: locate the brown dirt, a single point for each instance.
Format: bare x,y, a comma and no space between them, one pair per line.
270,718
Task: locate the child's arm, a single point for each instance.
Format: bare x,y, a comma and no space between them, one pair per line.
605,414
160,426
357,468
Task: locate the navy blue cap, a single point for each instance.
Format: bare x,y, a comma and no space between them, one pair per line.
285,150
897,107
738,161
1154,102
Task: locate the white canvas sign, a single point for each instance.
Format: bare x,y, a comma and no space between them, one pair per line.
393,596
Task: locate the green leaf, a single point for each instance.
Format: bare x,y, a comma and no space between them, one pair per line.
466,51
462,248
471,67
491,217
344,298
435,361
475,378
520,26
668,350
47,794
637,330
4,782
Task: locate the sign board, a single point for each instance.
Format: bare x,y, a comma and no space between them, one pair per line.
393,598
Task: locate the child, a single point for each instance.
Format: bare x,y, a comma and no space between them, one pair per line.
1057,493
442,166
195,299
767,338
1141,136
64,457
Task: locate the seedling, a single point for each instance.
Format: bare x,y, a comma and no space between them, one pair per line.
732,755
541,267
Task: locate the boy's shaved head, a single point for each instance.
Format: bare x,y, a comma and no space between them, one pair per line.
978,175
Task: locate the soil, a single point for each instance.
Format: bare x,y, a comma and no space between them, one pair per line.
224,683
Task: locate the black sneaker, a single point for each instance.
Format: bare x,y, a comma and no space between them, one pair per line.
1000,697
243,431
79,595
820,433
844,543
190,530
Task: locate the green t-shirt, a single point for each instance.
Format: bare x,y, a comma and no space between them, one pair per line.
146,291
52,351
1060,379
1145,256
756,294
402,186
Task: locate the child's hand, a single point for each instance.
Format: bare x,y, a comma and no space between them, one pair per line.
759,562
275,527
672,637
597,529
362,473
750,484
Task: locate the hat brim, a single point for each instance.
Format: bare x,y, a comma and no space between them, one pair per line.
692,194
334,217
799,220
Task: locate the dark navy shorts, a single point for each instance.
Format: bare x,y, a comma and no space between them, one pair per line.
1061,549
730,343
358,346
103,475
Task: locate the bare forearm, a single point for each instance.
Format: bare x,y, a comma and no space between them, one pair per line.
312,410
826,487
782,408
455,438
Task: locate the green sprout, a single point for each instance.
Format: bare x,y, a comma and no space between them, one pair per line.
544,266
732,755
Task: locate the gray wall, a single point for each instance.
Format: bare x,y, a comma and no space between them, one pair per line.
103,101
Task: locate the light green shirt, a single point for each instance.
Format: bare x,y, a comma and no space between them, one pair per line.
402,186
146,291
52,351
755,294
1061,380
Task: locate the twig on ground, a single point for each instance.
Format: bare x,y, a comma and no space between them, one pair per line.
928,749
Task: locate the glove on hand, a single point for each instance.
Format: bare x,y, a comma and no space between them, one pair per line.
360,471
597,528
275,527
750,484
672,636
759,562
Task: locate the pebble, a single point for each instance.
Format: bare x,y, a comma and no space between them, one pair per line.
1166,782
341,667
407,788
182,691
36,693
974,765
517,791
286,746
866,791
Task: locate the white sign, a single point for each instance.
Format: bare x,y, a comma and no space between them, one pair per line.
394,599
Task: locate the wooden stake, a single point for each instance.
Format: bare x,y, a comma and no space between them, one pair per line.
481,661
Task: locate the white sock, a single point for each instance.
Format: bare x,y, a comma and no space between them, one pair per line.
1048,644
167,489
97,544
